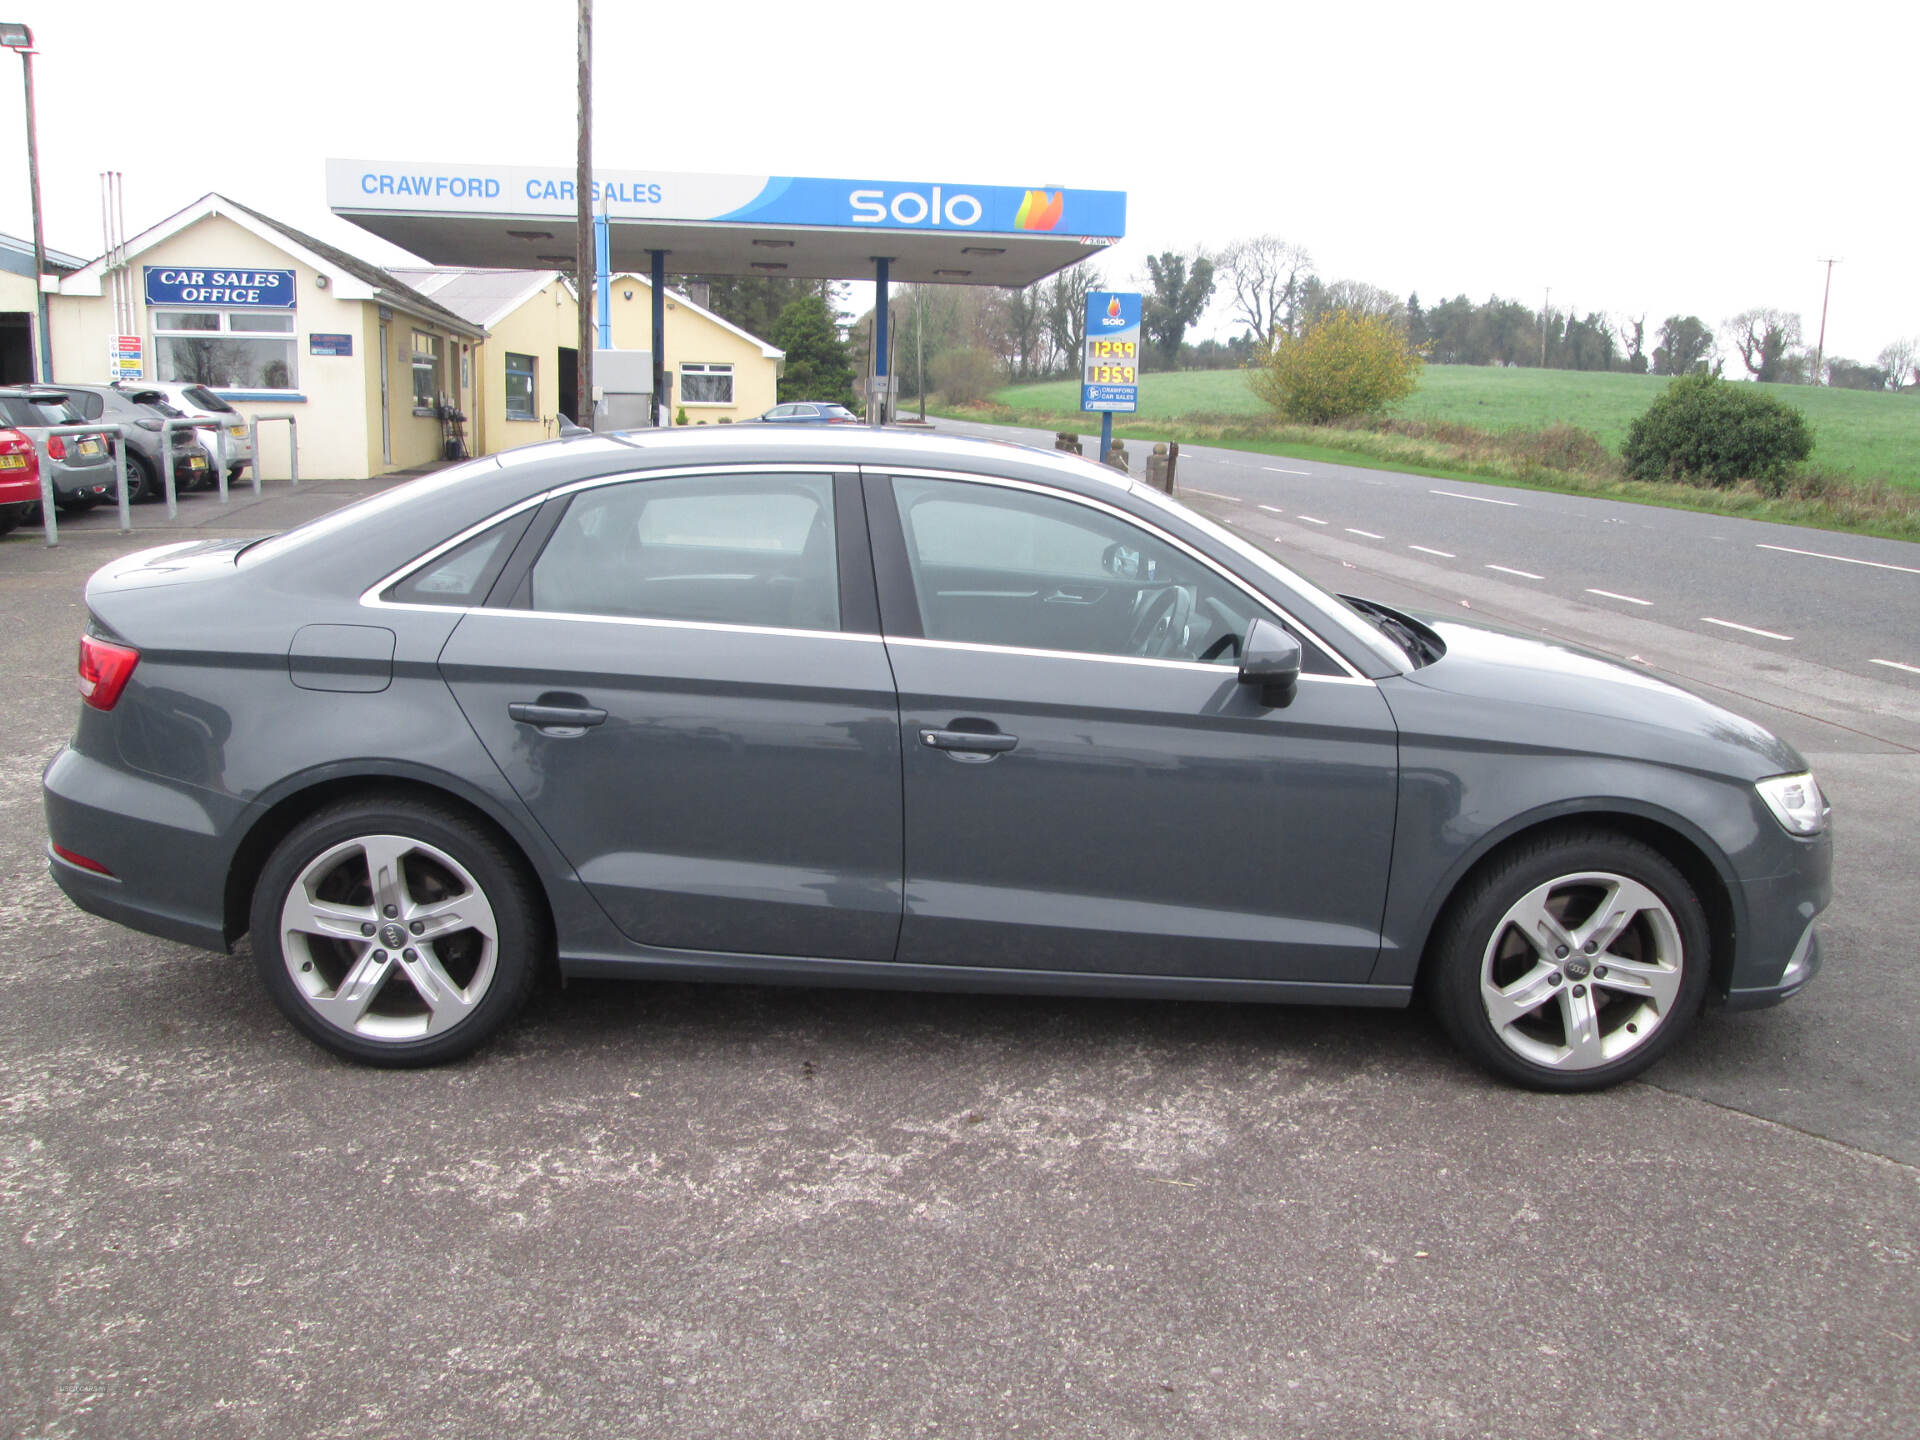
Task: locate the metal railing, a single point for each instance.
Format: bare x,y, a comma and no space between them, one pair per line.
49,517
167,428
293,445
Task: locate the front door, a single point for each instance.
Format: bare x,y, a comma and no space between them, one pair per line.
1088,787
688,692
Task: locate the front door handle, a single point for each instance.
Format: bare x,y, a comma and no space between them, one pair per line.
969,744
557,719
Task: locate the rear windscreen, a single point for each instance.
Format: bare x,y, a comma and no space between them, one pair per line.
207,400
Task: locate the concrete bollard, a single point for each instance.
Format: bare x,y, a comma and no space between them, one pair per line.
1157,469
1117,457
1066,440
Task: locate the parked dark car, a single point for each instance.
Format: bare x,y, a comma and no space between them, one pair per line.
80,467
809,412
144,411
868,708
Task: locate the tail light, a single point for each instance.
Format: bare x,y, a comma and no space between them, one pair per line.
105,669
56,447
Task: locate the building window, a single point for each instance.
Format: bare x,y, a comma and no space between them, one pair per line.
227,349
706,384
426,373
522,400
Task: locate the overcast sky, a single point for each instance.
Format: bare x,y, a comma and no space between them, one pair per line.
1637,158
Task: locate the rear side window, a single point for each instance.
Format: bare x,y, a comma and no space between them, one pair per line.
465,573
204,398
728,550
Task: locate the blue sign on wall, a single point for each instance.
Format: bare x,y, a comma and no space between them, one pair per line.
318,344
228,289
1111,379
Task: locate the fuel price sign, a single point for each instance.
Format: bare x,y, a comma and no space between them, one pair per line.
1111,379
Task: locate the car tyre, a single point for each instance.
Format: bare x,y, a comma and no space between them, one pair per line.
143,482
1573,963
396,932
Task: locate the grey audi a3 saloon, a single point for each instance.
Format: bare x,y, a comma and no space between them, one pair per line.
869,708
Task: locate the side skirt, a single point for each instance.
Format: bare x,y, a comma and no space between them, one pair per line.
888,975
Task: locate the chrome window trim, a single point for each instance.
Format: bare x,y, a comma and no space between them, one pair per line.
1225,672
646,620
969,477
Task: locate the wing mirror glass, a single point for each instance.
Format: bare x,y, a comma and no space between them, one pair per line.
1271,660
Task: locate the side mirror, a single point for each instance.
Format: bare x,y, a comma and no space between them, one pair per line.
1271,660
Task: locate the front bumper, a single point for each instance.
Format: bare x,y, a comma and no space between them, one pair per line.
1802,966
1778,951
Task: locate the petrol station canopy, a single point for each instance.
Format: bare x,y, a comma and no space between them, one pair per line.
522,218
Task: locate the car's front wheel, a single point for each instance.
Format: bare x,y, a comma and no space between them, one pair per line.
395,932
1573,963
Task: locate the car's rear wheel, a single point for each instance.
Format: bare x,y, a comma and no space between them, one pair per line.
395,932
142,481
1574,963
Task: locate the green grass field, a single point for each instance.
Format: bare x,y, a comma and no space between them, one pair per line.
1872,435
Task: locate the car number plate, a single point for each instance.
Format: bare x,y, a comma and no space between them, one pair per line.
91,447
239,432
196,462
13,462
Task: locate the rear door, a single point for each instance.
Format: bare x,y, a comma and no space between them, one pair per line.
686,685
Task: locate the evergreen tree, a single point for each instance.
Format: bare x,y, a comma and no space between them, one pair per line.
817,367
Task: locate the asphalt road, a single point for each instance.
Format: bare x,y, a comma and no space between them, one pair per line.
727,1211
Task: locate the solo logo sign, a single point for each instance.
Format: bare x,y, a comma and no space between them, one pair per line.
1038,209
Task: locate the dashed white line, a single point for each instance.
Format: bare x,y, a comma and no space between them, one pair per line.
1368,533
1310,520
1429,550
1630,599
1278,471
1897,665
1509,570
1844,559
1749,629
1484,500
1273,509
1210,494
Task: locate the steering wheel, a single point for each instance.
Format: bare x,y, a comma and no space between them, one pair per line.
1160,621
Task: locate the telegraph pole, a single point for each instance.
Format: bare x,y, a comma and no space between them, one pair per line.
583,257
19,39
1820,353
1546,309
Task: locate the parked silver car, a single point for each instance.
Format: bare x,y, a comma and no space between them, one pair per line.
144,411
200,403
80,466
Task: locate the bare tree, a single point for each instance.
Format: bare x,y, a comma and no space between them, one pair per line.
1356,297
1765,340
1267,276
1066,310
1901,361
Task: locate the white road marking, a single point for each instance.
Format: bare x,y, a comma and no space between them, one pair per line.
1273,509
1768,634
1310,520
1896,665
1612,596
1368,533
1523,574
1456,495
1211,494
1429,550
1845,559
1278,471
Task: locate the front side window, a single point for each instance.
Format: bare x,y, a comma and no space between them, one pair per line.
706,384
522,402
426,372
731,550
227,349
993,565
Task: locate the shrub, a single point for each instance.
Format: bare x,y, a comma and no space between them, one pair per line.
1707,431
1345,365
966,377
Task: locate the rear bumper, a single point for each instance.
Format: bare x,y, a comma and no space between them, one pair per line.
161,843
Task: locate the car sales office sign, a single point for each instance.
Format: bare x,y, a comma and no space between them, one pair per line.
226,289
1111,380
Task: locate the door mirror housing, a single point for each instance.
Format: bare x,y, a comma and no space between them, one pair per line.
1271,660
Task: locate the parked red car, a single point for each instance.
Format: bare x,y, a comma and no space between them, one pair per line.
19,479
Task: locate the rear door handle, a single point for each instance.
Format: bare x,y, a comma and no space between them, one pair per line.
557,718
968,744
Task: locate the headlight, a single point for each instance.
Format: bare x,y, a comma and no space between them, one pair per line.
1796,802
